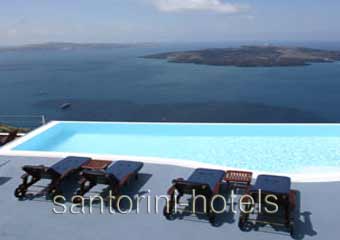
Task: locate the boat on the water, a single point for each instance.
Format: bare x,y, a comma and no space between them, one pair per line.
65,105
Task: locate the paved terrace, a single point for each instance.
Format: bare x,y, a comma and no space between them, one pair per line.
34,219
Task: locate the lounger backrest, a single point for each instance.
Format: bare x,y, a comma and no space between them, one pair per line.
272,184
209,177
35,171
187,187
121,169
68,164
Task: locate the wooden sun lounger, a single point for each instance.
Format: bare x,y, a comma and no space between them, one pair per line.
115,176
204,182
56,173
286,199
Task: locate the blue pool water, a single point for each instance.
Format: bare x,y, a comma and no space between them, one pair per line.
272,148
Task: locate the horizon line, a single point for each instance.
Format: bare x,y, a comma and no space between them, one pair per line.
166,42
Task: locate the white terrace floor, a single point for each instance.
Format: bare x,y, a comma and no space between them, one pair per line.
34,219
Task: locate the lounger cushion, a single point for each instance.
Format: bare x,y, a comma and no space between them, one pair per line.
207,176
68,164
121,169
272,184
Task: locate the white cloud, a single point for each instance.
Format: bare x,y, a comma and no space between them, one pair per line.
198,5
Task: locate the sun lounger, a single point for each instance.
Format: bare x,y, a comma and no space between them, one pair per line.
115,176
204,182
10,137
286,200
56,173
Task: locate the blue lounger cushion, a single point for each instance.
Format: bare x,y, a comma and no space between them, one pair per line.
210,177
121,169
68,163
272,184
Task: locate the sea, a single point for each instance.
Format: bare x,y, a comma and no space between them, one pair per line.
119,85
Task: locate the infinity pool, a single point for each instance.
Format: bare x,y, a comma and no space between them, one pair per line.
259,147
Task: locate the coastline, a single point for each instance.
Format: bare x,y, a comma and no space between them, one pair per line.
251,56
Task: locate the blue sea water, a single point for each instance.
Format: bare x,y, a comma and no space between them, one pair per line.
118,85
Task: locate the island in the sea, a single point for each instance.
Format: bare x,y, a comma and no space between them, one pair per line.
252,56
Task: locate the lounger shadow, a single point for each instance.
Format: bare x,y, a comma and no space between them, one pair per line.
4,180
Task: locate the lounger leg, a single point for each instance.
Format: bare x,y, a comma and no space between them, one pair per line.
178,198
243,223
287,214
210,212
169,207
85,186
27,181
53,188
115,193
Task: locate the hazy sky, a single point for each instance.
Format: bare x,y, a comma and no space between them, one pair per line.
32,21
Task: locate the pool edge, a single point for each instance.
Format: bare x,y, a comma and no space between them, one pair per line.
8,150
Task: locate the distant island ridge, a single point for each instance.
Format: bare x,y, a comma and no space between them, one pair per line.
251,56
71,46
244,56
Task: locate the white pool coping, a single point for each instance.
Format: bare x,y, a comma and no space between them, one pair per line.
313,175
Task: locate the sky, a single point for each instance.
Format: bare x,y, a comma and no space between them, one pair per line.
35,21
